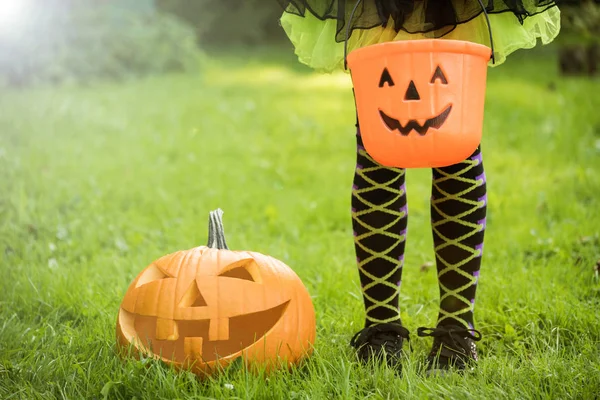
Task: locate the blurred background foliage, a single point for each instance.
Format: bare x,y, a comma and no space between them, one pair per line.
231,22
580,21
579,40
83,40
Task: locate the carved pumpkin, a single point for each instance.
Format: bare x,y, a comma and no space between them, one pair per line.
420,102
205,307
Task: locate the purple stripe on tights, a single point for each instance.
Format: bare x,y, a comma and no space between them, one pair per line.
479,248
477,157
484,199
404,209
359,166
482,223
482,177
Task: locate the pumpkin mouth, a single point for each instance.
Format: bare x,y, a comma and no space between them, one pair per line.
244,331
435,123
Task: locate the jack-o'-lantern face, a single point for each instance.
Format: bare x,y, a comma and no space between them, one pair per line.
420,103
412,94
206,305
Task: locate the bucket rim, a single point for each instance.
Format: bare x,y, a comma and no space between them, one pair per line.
419,46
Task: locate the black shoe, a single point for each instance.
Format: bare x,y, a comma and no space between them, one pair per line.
453,347
381,342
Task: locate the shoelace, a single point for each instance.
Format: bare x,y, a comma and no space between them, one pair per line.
454,337
380,335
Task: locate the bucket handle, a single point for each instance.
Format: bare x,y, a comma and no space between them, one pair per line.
349,22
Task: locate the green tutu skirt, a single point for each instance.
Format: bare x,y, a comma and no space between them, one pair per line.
319,40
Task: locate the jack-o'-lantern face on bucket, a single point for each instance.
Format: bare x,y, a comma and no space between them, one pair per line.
420,103
412,94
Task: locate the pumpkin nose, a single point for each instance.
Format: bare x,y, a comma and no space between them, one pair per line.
411,92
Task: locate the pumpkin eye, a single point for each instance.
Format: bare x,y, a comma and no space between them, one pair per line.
238,273
386,78
151,274
439,74
244,269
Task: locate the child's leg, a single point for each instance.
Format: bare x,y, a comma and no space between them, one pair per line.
458,211
379,218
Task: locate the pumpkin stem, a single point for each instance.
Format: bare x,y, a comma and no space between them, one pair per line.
216,235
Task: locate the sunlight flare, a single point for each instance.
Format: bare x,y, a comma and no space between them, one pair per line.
13,13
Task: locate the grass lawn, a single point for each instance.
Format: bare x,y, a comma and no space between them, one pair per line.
98,181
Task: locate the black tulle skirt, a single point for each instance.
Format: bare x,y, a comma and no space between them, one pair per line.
437,16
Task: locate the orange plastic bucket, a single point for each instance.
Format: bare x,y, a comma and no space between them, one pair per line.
420,103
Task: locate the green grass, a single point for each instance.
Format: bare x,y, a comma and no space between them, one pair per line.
97,182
